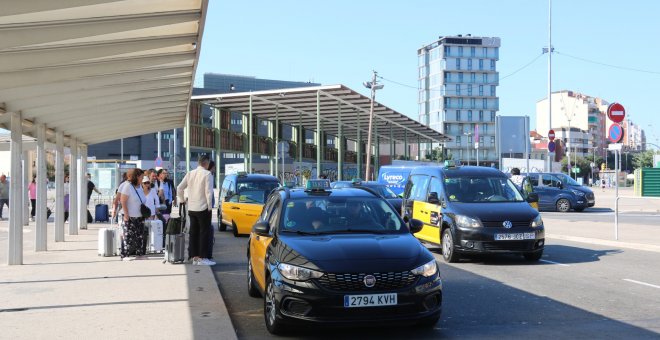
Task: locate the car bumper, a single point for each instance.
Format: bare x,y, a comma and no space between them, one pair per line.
308,303
482,240
582,203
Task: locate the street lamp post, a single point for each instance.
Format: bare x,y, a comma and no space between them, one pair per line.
467,145
373,85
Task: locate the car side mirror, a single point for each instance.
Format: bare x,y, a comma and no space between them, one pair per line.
433,198
261,228
532,197
415,225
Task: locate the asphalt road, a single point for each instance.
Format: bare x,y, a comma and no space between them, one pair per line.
576,291
605,215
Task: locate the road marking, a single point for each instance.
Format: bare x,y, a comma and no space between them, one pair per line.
642,283
552,262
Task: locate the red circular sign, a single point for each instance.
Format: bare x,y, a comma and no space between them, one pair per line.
551,135
616,112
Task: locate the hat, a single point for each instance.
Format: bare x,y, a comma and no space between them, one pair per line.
145,179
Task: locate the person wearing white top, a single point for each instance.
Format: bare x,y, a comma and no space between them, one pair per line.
200,193
151,197
133,222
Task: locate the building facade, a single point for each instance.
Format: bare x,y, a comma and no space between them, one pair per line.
458,82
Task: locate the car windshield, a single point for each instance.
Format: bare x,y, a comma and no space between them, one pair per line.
329,215
253,192
382,190
567,180
481,189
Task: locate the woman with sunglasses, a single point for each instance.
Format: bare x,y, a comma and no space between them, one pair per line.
131,199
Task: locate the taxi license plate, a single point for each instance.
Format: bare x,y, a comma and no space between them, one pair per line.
370,300
515,236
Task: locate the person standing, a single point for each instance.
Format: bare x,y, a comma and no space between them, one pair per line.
200,193
4,193
132,197
516,178
32,192
67,191
165,190
91,187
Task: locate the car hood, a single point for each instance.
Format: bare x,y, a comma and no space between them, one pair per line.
354,252
497,211
581,188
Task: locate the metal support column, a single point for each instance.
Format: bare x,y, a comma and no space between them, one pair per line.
405,145
218,151
272,152
277,144
319,134
419,151
83,187
392,155
174,164
340,147
59,187
301,140
73,187
25,199
186,141
359,147
250,129
15,241
244,138
40,240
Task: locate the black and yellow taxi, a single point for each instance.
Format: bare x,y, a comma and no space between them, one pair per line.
339,256
473,210
241,200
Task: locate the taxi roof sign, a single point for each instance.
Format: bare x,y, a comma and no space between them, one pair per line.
450,163
318,184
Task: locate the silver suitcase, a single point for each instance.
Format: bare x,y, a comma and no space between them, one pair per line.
107,243
175,247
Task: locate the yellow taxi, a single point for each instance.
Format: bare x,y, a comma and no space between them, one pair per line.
242,198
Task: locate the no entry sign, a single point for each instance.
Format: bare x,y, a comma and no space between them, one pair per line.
551,146
616,112
615,133
551,135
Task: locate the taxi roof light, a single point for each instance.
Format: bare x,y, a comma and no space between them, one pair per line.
317,185
242,173
451,163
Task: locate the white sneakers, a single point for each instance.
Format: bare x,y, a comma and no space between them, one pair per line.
203,262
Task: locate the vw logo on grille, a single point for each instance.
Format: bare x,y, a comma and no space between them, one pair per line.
507,224
369,281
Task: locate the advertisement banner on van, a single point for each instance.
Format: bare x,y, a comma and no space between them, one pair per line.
395,179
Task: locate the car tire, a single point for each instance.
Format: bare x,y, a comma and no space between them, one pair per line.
234,229
252,288
271,310
221,226
533,257
448,251
563,205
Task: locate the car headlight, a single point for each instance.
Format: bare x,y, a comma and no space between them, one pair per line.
577,192
296,273
537,222
467,222
427,269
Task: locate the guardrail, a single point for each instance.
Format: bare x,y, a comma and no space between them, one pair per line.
616,211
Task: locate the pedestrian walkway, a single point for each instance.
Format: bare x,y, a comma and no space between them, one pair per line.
71,292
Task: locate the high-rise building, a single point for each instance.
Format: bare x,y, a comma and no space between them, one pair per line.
458,82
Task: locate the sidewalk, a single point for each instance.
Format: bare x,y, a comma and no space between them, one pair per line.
631,235
71,292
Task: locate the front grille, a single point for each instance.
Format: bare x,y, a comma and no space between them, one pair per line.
355,282
498,224
508,245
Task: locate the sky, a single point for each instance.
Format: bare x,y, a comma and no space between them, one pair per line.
603,48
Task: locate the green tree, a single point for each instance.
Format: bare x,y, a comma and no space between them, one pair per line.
643,159
436,155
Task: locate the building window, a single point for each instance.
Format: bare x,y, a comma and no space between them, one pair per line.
484,103
473,103
484,51
492,116
460,102
458,114
492,65
469,64
484,78
447,102
458,140
481,140
458,63
481,115
460,77
458,89
460,51
447,77
481,90
447,50
469,139
492,140
473,77
473,51
484,128
469,90
492,90
469,115
460,128
481,64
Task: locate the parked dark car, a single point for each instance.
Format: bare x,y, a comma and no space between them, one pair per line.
379,188
559,192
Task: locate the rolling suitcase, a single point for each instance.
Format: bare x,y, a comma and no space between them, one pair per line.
107,242
175,238
101,213
155,237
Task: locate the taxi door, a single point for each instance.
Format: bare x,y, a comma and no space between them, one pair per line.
429,211
259,244
228,189
527,188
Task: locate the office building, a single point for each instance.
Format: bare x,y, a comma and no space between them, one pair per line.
458,82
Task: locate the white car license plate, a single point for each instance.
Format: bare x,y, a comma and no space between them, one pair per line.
515,236
370,300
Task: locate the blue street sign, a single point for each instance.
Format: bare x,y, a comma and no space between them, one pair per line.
615,133
551,146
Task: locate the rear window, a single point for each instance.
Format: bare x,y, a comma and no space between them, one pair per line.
253,191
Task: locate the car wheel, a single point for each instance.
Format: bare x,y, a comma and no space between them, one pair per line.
271,310
448,252
252,288
234,229
563,205
532,257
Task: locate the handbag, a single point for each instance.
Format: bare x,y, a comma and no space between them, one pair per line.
144,210
175,224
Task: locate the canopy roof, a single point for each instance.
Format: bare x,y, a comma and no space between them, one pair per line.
299,105
98,70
